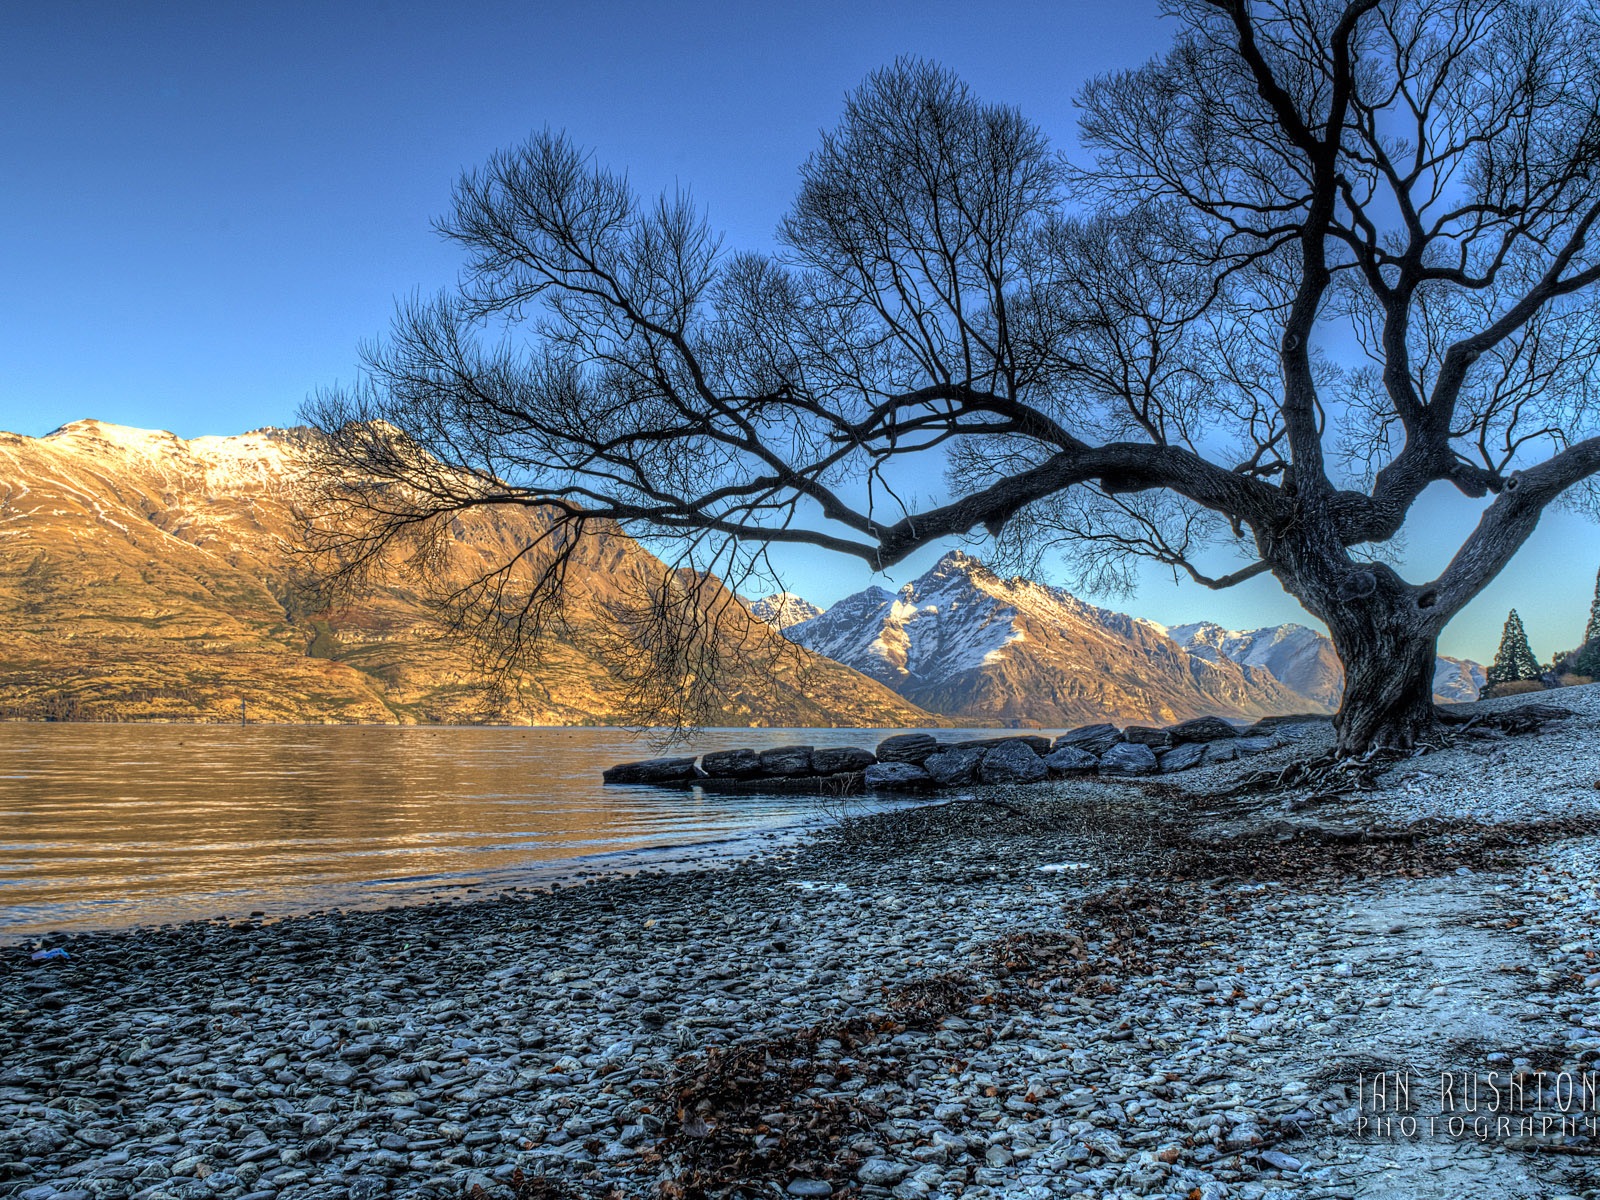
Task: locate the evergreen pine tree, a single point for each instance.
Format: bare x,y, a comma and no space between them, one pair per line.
1587,661
1592,630
1514,660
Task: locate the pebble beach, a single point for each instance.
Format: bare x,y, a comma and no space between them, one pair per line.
1087,987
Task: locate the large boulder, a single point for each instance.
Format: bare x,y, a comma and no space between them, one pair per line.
1095,739
954,765
1254,745
782,761
844,783
1070,760
907,748
1268,725
731,764
657,771
1144,735
1036,742
1012,761
1181,757
1201,729
1222,750
897,777
1129,758
831,760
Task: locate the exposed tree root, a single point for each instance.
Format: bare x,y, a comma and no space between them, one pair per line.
1333,775
1329,775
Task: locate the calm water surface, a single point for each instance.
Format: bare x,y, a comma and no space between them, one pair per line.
103,826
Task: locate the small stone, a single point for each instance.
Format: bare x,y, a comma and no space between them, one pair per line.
884,1172
809,1187
1280,1160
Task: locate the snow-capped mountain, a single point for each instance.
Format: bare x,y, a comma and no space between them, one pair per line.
963,642
1301,659
1305,661
783,609
1456,680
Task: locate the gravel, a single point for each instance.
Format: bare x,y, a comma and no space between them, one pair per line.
1081,988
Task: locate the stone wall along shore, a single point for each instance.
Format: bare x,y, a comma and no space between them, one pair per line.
922,761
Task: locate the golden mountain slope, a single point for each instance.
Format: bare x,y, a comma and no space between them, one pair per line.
143,576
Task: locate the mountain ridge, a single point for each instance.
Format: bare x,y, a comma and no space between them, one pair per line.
870,631
961,641
147,576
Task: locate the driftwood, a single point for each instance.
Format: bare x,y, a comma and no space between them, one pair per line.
1524,718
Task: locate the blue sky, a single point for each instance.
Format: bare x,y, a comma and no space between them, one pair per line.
207,207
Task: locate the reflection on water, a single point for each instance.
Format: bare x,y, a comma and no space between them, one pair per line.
114,825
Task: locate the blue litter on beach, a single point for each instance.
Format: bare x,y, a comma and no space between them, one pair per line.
45,955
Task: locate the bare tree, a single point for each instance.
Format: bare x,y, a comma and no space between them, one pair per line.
1321,256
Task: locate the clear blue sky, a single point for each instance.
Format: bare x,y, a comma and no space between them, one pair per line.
206,207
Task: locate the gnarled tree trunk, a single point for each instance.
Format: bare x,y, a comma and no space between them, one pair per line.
1388,685
1386,632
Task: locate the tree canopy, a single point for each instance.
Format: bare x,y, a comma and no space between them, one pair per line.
1317,258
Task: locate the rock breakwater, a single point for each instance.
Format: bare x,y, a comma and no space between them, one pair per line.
917,761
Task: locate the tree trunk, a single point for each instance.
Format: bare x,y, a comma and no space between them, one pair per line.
1386,633
1388,684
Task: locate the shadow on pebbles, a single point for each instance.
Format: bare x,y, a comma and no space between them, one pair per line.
1078,988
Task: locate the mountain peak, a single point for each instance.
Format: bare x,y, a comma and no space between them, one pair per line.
91,428
783,609
972,644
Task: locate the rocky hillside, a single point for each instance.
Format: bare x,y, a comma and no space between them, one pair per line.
144,576
965,643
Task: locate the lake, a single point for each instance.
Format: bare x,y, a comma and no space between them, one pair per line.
106,826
